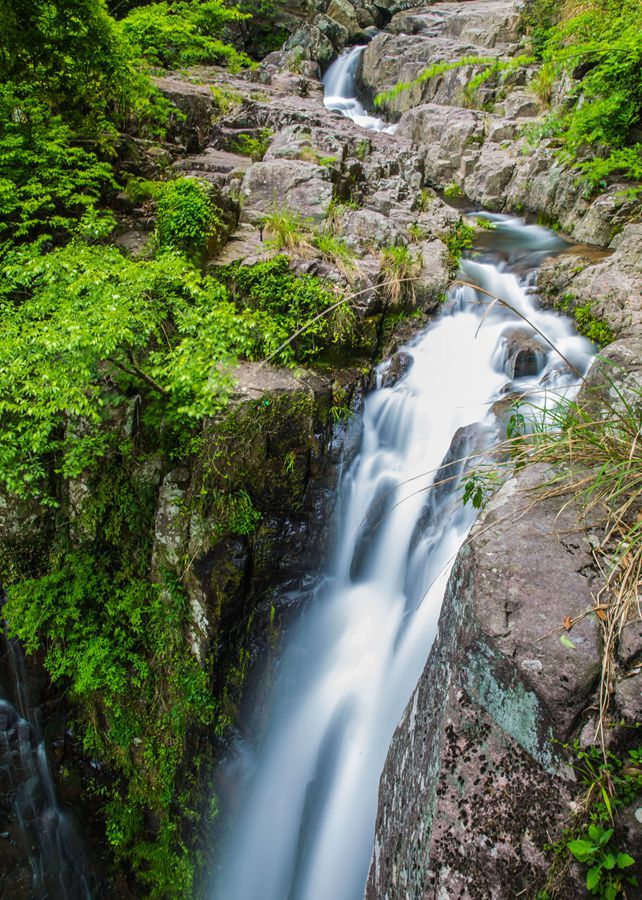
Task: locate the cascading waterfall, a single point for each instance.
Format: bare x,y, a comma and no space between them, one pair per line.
340,92
43,831
351,661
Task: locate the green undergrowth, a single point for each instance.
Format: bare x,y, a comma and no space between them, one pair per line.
461,237
254,146
609,784
176,35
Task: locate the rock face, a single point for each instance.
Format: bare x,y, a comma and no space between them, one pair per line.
473,778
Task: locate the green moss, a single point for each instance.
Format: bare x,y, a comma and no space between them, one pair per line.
254,146
588,324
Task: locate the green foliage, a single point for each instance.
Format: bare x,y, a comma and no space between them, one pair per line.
453,190
48,184
606,876
537,20
287,231
172,35
588,324
607,36
610,784
337,251
118,643
186,217
82,320
285,302
399,269
254,146
461,237
141,190
77,61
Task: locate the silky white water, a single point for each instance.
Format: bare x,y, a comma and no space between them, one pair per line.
340,95
351,661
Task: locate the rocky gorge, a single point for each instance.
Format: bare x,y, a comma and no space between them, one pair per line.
478,779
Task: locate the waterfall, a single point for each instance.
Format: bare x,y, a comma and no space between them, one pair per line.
353,657
43,833
339,85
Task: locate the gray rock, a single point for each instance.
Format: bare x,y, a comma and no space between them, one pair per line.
443,134
491,174
473,785
299,186
194,101
366,230
434,276
307,44
343,11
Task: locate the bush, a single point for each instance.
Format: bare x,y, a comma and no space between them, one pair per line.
285,302
47,182
186,217
171,35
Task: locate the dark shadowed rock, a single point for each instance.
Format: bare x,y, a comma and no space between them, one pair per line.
525,355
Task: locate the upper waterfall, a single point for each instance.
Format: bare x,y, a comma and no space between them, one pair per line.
340,91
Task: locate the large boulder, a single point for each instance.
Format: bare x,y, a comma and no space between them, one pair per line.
193,123
442,33
445,135
475,782
299,186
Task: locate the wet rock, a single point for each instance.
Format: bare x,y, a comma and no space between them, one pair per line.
498,689
397,367
525,354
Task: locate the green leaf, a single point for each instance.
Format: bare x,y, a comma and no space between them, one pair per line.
567,642
593,877
624,861
606,835
609,861
582,850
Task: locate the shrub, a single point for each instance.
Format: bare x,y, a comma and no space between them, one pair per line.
171,35
47,182
286,302
186,217
254,146
287,231
399,268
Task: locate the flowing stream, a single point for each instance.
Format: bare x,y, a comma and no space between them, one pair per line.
31,819
352,659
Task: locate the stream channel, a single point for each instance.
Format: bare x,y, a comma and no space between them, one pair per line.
352,657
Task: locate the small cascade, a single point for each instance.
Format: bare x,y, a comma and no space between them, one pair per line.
33,823
353,658
339,84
